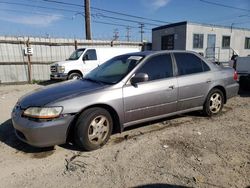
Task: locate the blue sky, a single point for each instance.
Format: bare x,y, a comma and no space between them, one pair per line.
42,18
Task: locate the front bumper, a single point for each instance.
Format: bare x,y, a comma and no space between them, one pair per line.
41,134
59,76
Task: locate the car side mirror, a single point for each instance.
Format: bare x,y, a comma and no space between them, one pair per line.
139,77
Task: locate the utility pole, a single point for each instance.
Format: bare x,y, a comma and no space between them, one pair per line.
142,31
87,19
116,34
128,33
29,62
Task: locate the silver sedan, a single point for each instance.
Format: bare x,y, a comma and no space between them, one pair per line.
126,90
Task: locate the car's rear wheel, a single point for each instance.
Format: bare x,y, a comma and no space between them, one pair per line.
214,102
93,128
74,76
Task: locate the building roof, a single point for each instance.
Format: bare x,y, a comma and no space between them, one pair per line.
194,23
169,25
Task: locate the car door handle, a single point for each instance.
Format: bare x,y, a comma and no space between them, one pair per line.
209,81
171,87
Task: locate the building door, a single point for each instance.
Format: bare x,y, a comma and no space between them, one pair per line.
210,51
167,42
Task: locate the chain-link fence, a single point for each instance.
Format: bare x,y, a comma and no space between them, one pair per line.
14,64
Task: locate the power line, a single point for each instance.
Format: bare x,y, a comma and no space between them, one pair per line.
129,15
74,11
245,15
44,14
224,5
42,7
60,9
122,19
121,25
241,22
108,11
64,3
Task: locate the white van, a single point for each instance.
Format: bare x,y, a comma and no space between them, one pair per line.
84,60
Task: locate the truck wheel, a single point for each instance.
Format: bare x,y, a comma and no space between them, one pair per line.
93,128
74,76
214,102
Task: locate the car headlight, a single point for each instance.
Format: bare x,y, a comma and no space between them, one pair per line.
61,69
43,112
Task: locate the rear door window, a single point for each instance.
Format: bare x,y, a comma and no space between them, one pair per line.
158,67
189,64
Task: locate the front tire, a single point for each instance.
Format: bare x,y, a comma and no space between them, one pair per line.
74,76
93,128
214,102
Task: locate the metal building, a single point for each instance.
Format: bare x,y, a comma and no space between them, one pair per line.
215,42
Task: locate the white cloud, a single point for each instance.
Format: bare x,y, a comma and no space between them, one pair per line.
155,4
160,3
40,21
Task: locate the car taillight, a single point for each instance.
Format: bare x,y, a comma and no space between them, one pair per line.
235,76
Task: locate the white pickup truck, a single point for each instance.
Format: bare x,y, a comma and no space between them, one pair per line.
84,60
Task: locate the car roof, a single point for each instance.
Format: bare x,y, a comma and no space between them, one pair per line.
146,53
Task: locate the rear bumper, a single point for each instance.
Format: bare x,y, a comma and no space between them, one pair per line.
232,90
59,76
41,134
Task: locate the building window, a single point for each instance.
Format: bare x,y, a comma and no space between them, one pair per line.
198,40
225,41
247,43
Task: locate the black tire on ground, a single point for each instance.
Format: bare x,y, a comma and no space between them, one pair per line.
214,102
74,75
93,128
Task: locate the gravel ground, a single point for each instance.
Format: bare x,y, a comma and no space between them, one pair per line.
183,151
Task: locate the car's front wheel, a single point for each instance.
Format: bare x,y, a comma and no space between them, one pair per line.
214,102
93,128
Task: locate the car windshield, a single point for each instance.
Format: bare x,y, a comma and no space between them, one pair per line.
76,54
114,70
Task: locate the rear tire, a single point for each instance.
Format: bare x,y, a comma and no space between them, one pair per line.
214,103
74,76
93,128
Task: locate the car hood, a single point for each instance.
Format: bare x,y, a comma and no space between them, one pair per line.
61,91
61,63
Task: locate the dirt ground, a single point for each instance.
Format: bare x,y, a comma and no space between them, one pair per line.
184,151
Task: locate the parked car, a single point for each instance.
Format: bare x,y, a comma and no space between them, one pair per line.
126,90
84,60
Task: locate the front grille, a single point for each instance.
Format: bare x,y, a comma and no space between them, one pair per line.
53,68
